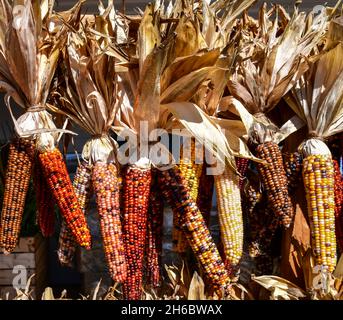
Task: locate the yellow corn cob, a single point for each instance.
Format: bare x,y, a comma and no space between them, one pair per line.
318,176
191,172
230,216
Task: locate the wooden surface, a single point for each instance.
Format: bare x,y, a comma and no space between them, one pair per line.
31,252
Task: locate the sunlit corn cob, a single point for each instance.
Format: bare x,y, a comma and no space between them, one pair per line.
136,192
205,194
18,174
318,177
82,187
293,164
242,167
175,190
106,189
44,202
338,204
191,171
274,179
230,216
154,235
58,180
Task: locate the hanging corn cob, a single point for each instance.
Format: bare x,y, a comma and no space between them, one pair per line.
318,176
58,180
177,194
230,217
18,173
274,179
191,171
106,188
82,187
44,202
154,234
137,183
322,111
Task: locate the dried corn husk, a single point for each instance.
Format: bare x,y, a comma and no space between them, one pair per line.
318,99
89,92
271,66
29,53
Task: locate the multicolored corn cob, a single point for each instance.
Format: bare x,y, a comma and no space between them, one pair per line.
58,180
242,167
293,164
44,202
338,204
274,179
136,192
230,216
106,189
191,171
318,177
205,195
18,174
154,235
82,186
176,191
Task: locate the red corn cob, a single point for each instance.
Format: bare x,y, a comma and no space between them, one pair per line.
106,189
205,194
18,173
154,235
338,204
137,183
175,190
82,186
55,171
45,202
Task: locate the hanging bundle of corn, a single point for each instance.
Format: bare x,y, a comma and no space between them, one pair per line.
90,97
230,215
266,73
187,63
29,52
154,234
322,111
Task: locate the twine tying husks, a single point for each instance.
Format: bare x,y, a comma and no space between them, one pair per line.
36,108
314,135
